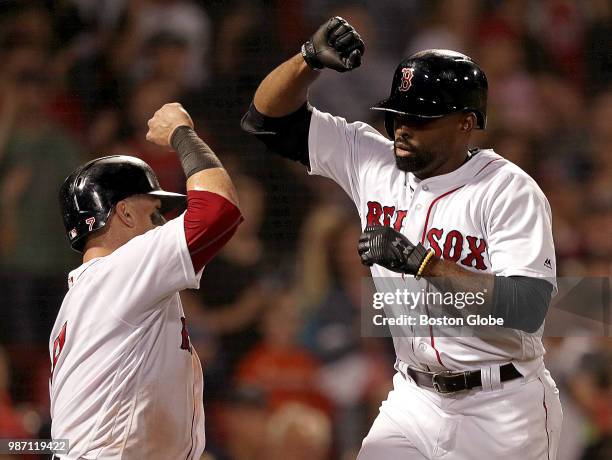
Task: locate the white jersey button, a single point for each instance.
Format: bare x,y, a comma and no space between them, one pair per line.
425,187
418,206
422,347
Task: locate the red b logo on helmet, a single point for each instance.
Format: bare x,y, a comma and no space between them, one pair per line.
406,80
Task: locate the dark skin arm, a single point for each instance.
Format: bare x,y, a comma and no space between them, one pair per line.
285,89
450,277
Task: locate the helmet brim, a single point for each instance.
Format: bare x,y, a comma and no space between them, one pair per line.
387,106
169,200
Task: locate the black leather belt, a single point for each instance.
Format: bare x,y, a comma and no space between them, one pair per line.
453,381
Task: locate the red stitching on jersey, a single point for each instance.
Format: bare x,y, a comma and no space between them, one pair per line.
192,421
496,159
430,208
545,419
433,344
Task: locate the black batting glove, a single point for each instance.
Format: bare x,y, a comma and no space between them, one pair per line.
336,45
390,249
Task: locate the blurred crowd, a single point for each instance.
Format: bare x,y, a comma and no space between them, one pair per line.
276,321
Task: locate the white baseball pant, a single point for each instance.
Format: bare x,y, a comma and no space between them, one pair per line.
518,419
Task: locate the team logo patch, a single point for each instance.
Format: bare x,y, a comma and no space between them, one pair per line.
406,82
73,233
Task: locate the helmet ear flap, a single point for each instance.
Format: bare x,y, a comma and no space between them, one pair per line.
481,120
390,124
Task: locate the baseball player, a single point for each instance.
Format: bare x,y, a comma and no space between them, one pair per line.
125,381
446,218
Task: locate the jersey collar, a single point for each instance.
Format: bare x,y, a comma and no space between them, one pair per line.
75,274
477,165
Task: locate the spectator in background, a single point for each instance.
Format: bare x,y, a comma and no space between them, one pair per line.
447,24
332,282
27,22
395,20
238,65
278,365
166,57
598,59
11,421
591,387
561,137
146,19
143,101
559,26
243,419
37,155
31,26
598,187
298,432
349,95
513,97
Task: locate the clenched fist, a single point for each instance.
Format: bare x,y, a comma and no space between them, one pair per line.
336,44
390,249
165,121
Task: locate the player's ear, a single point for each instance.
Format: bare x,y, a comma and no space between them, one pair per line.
468,122
124,213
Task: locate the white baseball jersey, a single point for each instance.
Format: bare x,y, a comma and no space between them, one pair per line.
125,381
488,216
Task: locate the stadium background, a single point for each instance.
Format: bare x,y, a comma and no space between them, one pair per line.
276,322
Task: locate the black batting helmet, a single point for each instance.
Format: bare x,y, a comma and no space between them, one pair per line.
90,193
435,83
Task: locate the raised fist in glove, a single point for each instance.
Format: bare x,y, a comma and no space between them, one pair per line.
336,44
390,249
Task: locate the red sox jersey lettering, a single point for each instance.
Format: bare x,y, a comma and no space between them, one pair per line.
449,245
388,213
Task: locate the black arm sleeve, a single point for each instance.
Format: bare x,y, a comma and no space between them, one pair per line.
194,153
286,136
522,302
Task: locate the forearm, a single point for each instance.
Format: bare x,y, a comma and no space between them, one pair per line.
450,277
521,302
203,169
285,89
212,202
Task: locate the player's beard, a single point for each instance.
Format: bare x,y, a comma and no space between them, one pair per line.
419,160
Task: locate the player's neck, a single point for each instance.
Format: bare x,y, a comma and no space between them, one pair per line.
110,238
453,163
96,252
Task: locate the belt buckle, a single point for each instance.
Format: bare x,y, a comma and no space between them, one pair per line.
436,385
